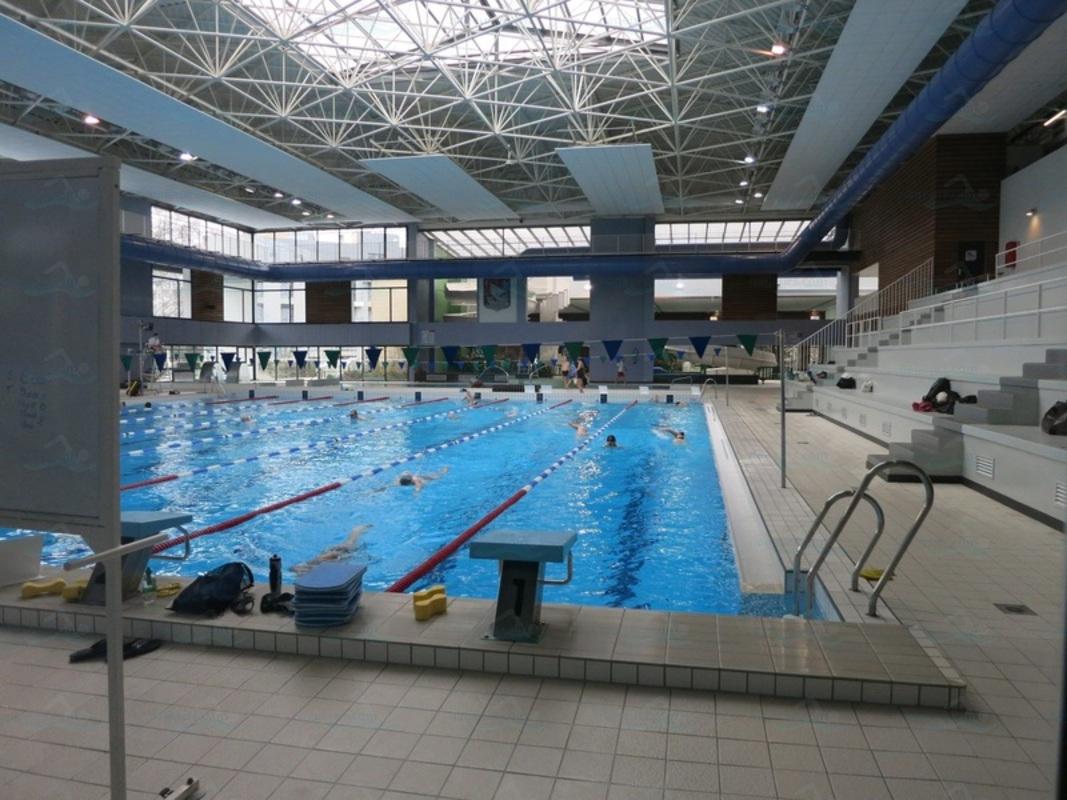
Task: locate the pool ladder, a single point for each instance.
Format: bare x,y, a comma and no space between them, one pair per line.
858,494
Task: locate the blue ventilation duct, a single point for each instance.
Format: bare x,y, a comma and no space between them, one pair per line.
998,39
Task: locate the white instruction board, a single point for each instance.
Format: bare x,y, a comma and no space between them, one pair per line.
59,275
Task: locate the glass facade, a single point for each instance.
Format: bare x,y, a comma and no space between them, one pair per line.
279,302
331,245
191,231
380,301
172,293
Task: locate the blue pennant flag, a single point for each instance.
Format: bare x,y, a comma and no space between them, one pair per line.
451,353
373,354
532,351
301,357
611,347
227,360
161,360
717,350
700,344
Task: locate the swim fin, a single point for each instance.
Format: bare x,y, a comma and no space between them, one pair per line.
131,648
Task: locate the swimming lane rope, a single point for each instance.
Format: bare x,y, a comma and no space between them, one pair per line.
232,413
233,522
449,549
291,450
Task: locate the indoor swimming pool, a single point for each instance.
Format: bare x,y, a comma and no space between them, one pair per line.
649,514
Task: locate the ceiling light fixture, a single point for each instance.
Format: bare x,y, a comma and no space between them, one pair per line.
296,201
278,195
779,48
305,213
329,216
739,201
750,159
1058,115
679,285
250,190
89,119
757,195
763,108
187,157
743,183
1031,211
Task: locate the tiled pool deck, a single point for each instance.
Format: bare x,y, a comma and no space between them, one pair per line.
605,735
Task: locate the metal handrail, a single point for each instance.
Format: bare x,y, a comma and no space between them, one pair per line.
1047,249
813,571
704,386
187,551
683,379
928,502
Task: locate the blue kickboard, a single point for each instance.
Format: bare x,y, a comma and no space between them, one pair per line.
335,576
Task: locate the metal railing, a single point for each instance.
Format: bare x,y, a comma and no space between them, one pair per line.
863,319
704,386
858,494
1044,252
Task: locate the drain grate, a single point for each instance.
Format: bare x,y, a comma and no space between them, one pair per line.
1016,608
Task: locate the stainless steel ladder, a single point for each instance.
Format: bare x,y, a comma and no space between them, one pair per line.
858,494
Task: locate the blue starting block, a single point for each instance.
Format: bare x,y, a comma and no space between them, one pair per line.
522,556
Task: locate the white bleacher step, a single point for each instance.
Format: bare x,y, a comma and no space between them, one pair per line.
1055,370
937,441
936,473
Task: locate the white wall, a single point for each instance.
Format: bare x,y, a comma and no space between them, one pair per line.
1041,186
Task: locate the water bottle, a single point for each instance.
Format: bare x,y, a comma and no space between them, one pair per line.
148,587
275,574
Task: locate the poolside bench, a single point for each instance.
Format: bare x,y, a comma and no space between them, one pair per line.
522,556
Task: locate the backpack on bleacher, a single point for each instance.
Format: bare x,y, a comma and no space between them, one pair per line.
1055,420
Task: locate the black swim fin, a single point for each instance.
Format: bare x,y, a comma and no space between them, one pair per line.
131,648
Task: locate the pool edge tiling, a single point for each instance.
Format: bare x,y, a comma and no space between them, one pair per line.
787,658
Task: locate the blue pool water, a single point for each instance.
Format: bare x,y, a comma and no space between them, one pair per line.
649,515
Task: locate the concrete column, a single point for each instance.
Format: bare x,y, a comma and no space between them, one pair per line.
847,291
620,308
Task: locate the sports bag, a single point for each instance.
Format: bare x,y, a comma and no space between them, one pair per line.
1055,419
940,385
215,591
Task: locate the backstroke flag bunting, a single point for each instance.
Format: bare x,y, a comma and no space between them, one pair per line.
700,344
332,357
127,361
451,353
373,354
611,347
748,341
301,357
227,360
574,350
489,351
532,350
192,358
411,354
161,360
264,358
657,346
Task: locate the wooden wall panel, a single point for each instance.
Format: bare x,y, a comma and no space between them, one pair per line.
329,302
207,295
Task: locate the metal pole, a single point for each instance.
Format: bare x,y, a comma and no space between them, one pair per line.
726,349
781,394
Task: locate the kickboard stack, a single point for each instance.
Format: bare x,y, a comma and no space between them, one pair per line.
328,595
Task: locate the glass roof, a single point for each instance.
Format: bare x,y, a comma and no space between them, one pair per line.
751,232
490,242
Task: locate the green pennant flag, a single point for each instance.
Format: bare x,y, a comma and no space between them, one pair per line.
574,350
332,357
264,358
192,358
411,354
748,341
489,351
127,361
657,346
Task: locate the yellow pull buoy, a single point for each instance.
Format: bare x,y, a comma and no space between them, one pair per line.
429,602
37,588
872,573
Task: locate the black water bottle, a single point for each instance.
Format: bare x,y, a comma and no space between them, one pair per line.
275,574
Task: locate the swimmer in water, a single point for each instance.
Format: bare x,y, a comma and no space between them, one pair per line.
418,481
469,398
579,426
246,419
678,437
336,552
611,442
353,415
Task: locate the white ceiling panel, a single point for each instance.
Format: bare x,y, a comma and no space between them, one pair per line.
20,145
882,44
1036,76
439,181
42,65
617,179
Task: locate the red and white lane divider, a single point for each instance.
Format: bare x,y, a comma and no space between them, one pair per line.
357,402
425,402
301,400
449,549
233,522
291,450
234,400
225,437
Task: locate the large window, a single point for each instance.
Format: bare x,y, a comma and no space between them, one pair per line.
380,301
237,299
751,232
171,293
279,302
330,245
494,242
191,231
